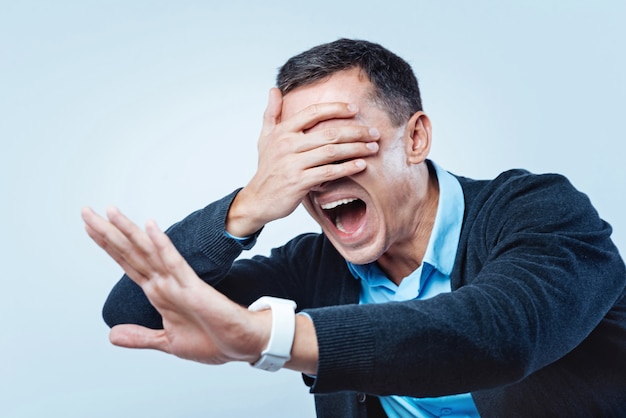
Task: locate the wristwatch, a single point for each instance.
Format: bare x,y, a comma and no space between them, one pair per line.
278,350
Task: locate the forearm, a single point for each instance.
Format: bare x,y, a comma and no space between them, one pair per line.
304,353
243,218
200,238
536,299
408,348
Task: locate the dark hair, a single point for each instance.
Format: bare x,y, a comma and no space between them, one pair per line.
395,87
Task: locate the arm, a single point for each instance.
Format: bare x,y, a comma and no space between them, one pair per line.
200,236
199,323
142,297
538,273
305,158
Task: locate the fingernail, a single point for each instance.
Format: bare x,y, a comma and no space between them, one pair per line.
374,133
353,107
360,163
373,146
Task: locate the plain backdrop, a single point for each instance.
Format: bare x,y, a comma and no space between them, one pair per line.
155,106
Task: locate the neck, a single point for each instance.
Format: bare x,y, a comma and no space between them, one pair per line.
405,256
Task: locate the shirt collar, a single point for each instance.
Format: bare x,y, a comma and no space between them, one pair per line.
444,240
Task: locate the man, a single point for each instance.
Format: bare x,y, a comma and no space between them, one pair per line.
427,294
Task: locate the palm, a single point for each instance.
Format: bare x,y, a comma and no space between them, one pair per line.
199,323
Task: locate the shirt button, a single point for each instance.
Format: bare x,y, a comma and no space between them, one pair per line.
361,397
445,411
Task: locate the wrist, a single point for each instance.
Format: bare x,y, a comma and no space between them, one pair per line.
260,331
305,351
241,221
278,349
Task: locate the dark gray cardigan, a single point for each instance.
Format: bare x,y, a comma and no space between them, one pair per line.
535,324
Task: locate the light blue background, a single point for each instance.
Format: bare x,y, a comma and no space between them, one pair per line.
155,106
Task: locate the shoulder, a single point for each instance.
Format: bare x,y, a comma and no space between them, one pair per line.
523,192
515,181
519,202
520,216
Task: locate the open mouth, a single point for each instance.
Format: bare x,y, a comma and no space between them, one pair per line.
347,215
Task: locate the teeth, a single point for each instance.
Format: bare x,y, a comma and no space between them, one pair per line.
339,225
336,203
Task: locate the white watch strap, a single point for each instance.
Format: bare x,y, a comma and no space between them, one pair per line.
278,350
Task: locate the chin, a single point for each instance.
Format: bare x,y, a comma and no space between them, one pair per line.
363,254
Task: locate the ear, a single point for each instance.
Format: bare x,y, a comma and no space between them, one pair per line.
418,136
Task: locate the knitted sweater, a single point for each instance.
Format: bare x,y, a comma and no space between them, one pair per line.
535,324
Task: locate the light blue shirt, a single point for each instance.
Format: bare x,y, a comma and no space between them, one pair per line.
430,279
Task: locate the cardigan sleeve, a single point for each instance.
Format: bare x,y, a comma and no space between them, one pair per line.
538,272
290,271
200,238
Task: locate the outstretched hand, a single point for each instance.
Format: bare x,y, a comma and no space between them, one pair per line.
199,323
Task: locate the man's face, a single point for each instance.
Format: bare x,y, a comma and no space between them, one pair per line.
365,214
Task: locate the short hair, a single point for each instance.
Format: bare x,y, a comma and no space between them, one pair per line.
396,90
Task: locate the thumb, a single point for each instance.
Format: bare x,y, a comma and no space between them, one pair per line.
136,336
271,117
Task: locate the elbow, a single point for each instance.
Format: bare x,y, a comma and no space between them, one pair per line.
127,304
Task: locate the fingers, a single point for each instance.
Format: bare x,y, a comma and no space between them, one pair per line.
137,249
339,144
320,125
305,119
115,255
337,154
126,243
271,117
317,126
343,155
173,262
337,134
143,255
136,336
110,239
309,118
330,172
316,113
